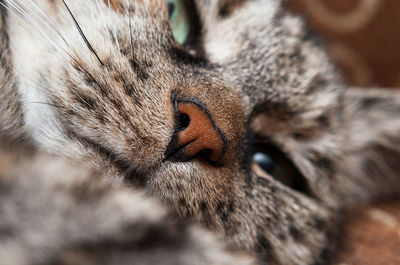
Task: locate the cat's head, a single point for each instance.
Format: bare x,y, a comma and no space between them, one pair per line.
110,82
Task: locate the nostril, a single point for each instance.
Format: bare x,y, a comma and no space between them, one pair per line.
183,121
206,153
195,135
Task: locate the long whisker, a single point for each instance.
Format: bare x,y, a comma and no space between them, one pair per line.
29,18
49,23
102,15
45,89
45,103
114,30
34,27
82,34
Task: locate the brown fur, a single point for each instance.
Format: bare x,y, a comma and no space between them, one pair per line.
114,4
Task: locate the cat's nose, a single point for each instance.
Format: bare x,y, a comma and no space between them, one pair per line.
196,134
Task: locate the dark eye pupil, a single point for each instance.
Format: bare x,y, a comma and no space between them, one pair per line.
264,161
171,9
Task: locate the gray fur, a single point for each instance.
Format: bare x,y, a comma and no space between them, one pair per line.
78,220
108,105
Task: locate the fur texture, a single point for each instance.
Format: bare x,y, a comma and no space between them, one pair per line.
105,98
77,220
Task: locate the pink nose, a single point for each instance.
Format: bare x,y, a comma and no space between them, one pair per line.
196,135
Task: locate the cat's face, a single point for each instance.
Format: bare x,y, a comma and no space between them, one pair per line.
121,104
116,100
181,120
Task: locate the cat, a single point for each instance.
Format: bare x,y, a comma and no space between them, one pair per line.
242,126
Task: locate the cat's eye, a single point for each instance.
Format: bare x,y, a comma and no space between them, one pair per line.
264,161
275,163
179,17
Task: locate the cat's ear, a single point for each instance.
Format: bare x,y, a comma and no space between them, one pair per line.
370,139
373,115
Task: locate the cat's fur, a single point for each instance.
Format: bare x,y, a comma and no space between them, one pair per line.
109,104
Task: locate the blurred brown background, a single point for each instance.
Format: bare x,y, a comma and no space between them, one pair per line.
363,37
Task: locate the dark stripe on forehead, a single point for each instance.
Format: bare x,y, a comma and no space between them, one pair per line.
227,7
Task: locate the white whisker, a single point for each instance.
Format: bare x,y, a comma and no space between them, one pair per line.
49,23
35,27
114,29
20,22
103,15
